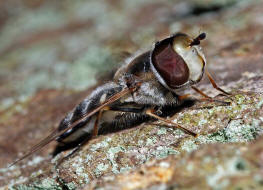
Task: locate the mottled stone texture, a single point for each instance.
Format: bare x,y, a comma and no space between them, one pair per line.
214,166
51,53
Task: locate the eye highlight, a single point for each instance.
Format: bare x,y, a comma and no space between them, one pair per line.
169,64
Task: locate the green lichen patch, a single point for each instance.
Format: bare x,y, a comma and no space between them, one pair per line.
70,186
126,150
214,166
121,152
45,184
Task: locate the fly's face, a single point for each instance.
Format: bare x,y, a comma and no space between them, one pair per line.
178,61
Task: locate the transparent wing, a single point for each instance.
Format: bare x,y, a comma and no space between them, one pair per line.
55,133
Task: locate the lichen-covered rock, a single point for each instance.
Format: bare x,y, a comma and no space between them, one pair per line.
61,45
213,166
117,153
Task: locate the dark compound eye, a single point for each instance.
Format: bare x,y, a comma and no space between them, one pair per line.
169,64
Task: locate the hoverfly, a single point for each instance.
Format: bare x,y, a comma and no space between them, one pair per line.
141,90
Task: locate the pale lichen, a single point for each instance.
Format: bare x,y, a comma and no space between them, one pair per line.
100,169
189,146
235,166
111,155
45,184
162,131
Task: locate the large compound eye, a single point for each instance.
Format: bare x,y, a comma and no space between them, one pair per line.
169,64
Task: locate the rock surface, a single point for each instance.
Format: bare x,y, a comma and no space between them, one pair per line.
50,53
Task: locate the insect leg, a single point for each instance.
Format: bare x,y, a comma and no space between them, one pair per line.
96,124
95,127
215,85
168,122
183,97
93,135
94,132
208,98
200,92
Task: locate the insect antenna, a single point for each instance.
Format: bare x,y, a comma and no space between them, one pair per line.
56,133
197,40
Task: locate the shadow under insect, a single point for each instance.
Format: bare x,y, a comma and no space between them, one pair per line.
128,122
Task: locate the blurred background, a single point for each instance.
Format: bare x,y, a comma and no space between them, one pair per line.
62,44
52,51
